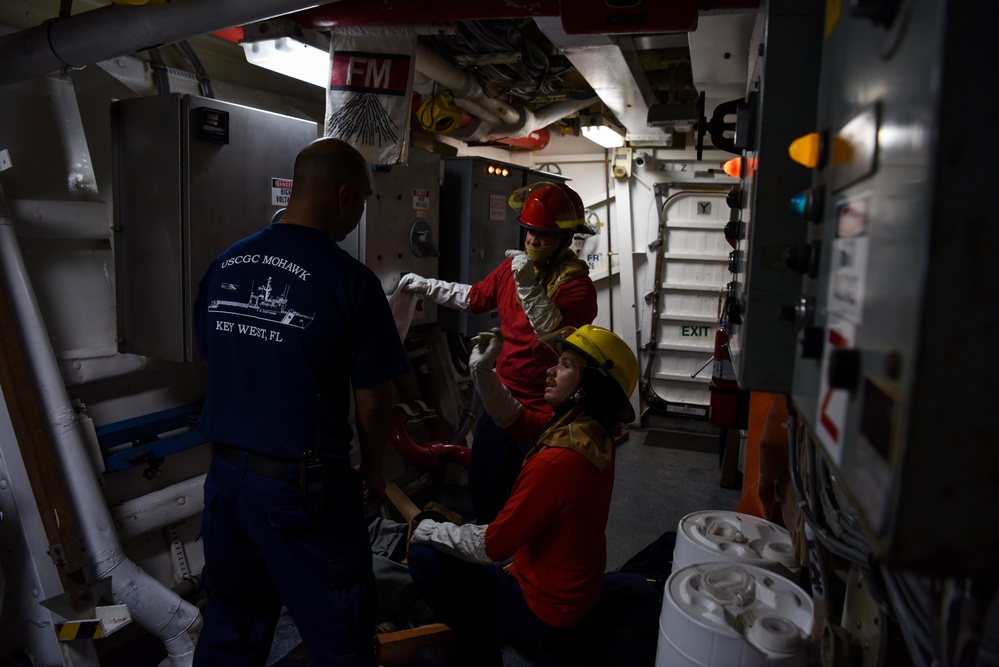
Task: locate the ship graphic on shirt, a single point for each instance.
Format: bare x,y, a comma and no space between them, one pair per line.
264,305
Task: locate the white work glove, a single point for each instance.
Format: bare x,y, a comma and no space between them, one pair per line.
543,315
524,271
496,398
452,295
488,345
467,542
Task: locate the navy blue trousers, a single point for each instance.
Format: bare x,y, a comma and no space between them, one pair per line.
261,550
497,458
483,604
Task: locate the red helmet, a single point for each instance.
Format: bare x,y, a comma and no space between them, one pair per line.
550,207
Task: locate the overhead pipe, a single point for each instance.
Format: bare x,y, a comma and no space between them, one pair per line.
157,609
462,84
117,30
529,122
501,120
424,85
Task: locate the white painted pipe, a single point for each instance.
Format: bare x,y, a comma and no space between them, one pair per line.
117,30
82,368
547,115
157,609
159,509
462,84
530,122
36,218
499,119
425,86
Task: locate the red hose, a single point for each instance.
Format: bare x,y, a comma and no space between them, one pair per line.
428,454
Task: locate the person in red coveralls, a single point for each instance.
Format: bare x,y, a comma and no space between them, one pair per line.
553,524
537,290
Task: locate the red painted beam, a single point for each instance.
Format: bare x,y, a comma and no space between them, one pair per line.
404,12
598,17
711,5
578,16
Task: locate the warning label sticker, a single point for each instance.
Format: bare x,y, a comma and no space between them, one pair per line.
421,199
280,191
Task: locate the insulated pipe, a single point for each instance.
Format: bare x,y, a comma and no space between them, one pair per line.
425,86
38,218
83,369
157,609
529,122
117,30
461,84
159,509
545,116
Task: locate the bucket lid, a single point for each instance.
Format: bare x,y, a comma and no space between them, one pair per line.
716,609
709,535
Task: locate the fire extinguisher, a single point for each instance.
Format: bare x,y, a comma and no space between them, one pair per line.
725,392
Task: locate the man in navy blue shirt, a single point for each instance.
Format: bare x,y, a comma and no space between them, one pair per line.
294,331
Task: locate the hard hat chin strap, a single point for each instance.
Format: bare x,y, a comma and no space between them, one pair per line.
604,369
562,245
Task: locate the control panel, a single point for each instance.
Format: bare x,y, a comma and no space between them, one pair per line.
890,372
769,249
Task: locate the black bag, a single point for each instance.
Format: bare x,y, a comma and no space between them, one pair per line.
654,561
622,629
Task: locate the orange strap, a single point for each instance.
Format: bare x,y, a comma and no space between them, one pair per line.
766,454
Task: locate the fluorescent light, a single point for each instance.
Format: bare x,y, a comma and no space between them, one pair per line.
290,57
603,135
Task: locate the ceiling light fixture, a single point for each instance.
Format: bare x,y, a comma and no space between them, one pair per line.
290,57
601,131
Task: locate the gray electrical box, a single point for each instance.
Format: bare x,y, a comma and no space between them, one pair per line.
478,227
398,233
780,107
892,376
191,176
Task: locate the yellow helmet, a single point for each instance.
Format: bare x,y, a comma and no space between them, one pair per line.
608,353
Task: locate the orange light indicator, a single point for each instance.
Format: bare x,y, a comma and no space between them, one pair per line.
806,150
740,166
234,34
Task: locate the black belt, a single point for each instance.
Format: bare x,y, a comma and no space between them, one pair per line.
257,463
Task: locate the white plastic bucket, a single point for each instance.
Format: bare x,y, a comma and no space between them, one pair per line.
709,536
725,614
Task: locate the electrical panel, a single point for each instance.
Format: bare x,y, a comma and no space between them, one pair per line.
764,232
398,233
891,374
192,175
478,227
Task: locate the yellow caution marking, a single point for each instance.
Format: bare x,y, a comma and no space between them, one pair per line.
79,630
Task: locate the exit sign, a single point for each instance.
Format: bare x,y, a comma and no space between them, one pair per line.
694,331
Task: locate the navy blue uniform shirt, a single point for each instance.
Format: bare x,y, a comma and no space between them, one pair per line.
288,322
